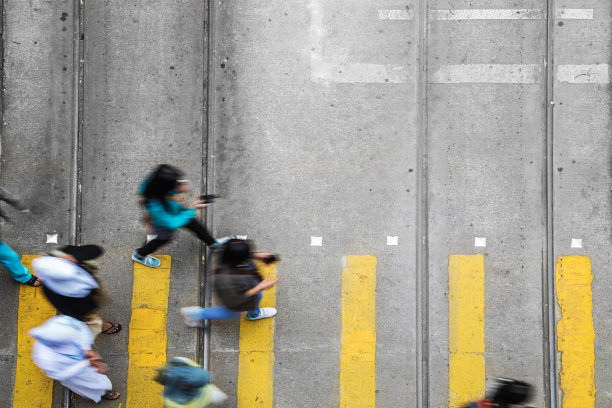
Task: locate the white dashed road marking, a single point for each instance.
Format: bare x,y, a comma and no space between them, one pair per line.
488,73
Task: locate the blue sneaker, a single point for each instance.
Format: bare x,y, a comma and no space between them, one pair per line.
146,260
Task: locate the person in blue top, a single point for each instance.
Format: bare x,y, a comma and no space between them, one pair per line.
161,194
9,259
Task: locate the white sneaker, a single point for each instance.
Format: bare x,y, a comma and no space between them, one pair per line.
190,316
219,243
264,313
216,395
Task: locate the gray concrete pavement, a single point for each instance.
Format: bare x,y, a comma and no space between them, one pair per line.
314,158
143,105
583,170
36,143
485,148
317,117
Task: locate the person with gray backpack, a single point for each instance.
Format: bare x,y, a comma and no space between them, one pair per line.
238,285
507,393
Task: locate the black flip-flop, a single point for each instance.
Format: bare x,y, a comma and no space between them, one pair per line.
111,395
117,328
33,280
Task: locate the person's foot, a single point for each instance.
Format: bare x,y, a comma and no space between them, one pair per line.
34,281
111,395
190,316
110,328
220,242
146,260
262,313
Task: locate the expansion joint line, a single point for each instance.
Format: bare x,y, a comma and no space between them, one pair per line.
2,92
422,213
208,165
76,171
548,266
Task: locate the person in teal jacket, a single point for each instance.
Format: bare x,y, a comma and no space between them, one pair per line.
9,259
161,194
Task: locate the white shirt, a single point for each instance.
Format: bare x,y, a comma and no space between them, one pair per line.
64,277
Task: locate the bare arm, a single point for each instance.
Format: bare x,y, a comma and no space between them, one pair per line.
261,286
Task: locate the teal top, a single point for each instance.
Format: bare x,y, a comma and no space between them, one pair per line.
167,213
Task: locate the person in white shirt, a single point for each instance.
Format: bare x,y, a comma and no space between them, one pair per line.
63,350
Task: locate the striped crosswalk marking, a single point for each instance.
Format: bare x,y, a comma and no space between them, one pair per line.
575,332
466,364
147,340
32,387
256,354
358,344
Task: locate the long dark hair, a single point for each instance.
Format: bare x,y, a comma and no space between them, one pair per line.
235,252
162,181
512,392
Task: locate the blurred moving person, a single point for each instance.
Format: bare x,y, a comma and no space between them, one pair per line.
238,284
72,285
161,193
507,393
9,258
63,350
187,385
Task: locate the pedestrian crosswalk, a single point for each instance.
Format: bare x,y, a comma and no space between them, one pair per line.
575,332
358,343
32,387
466,329
148,338
256,354
357,359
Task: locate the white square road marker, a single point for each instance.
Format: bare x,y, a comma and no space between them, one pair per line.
316,241
392,240
576,242
480,242
52,238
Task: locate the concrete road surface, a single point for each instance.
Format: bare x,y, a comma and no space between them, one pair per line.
435,175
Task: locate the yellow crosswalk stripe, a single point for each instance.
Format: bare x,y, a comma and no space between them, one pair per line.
147,339
358,344
33,389
466,364
575,332
256,354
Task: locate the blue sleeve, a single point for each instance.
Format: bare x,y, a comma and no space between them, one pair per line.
162,218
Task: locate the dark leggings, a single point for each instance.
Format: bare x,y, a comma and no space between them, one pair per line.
163,237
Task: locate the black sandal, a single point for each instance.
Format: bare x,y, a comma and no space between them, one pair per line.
33,280
115,327
111,395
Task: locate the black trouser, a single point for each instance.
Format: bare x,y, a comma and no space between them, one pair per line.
164,235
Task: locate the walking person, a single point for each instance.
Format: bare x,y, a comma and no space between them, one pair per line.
187,385
507,393
161,193
9,259
72,286
238,285
63,350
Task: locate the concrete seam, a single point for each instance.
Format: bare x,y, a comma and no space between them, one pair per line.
2,26
77,142
421,230
209,143
202,262
548,277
